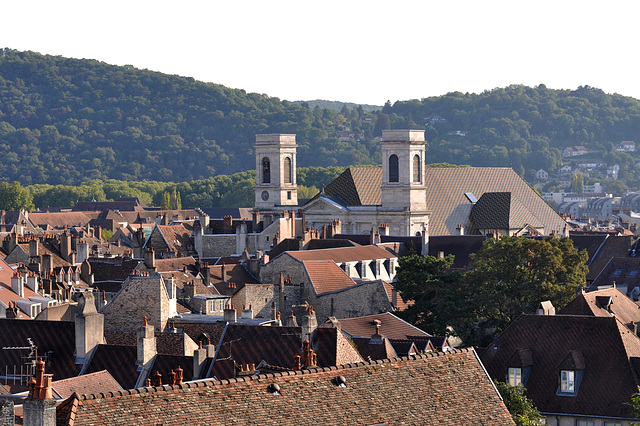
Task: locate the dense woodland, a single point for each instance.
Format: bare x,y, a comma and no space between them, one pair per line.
71,122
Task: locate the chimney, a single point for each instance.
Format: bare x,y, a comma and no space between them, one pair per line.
65,246
308,357
39,408
281,293
292,320
211,349
32,283
292,215
156,379
89,326
199,360
46,264
204,222
223,272
146,344
227,224
309,323
150,259
394,298
33,248
256,219
82,251
383,229
247,313
460,229
206,274
230,314
634,328
376,337
17,284
303,220
178,371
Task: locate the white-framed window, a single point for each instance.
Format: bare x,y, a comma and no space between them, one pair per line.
612,424
514,376
567,381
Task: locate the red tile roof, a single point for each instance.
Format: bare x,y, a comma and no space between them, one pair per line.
326,276
98,382
595,303
391,326
389,392
343,254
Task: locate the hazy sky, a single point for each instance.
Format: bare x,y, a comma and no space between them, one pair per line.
353,51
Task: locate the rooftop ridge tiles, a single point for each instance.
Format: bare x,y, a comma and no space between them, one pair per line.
306,371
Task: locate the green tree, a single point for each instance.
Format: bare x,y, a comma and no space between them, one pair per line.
513,275
14,197
438,294
522,409
577,183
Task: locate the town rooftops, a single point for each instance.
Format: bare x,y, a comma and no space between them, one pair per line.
343,254
390,326
378,392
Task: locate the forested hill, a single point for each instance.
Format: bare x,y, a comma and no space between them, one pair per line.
63,121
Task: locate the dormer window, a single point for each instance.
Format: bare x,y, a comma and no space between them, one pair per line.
514,376
567,381
571,373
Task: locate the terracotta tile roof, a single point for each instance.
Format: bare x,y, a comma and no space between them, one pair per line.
606,347
343,254
450,206
54,338
60,219
93,383
233,273
244,344
326,276
176,238
459,389
401,304
391,326
596,303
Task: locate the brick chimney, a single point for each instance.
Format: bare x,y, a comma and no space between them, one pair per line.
308,357
227,224
39,409
146,344
89,326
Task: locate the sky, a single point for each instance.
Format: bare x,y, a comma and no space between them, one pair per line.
365,52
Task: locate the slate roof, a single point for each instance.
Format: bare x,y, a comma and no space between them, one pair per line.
356,186
460,246
371,350
105,270
601,248
200,331
391,326
607,347
382,392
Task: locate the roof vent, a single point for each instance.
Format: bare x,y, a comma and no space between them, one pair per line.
340,381
274,388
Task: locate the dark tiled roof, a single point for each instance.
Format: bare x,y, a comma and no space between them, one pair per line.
621,271
244,344
165,364
460,246
501,210
374,350
54,338
199,332
389,392
59,219
333,348
119,361
606,346
391,326
103,270
316,244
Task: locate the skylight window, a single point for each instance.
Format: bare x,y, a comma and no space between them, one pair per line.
617,273
471,197
633,273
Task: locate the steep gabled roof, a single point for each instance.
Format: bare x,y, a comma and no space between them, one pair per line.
326,276
501,210
98,382
606,348
381,392
357,186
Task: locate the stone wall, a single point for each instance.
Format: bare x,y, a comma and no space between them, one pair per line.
367,298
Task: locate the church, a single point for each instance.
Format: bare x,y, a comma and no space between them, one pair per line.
403,197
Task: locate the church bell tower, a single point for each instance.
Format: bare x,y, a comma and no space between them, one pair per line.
276,184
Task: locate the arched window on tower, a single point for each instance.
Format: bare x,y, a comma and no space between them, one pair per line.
393,168
266,170
288,172
416,169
